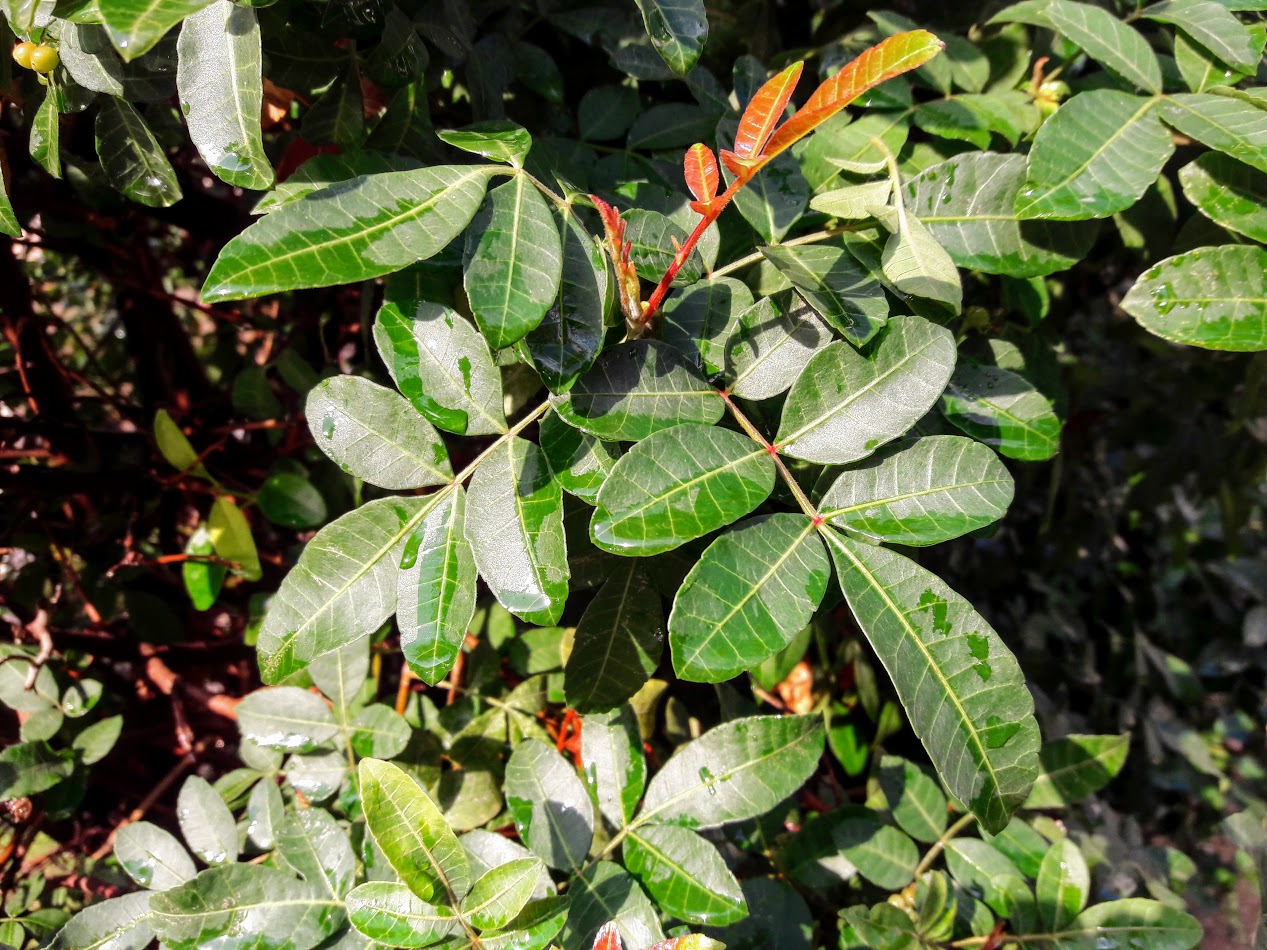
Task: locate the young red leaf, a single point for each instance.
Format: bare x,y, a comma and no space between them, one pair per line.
618,250
700,170
765,110
608,937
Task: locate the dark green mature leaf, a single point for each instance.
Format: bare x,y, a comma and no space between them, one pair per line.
1228,192
580,462
412,834
290,500
514,260
1213,297
29,768
119,923
638,388
605,892
1075,767
671,125
350,231
883,926
286,718
982,869
498,139
654,239
881,853
606,112
342,588
337,117
440,363
618,643
774,200
1063,885
615,767
379,732
844,406
436,592
393,915
921,493
311,843
962,689
1135,920
1228,124
245,905
678,30
685,874
734,772
774,341
914,799
131,157
1095,157
750,593
515,527
550,805
677,485
842,291
206,822
967,203
700,320
1003,409
221,93
1114,44
152,857
501,893
374,434
135,26
1212,25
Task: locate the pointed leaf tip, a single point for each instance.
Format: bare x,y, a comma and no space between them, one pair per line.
699,168
765,110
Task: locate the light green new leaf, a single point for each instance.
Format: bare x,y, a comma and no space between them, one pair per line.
206,822
412,834
374,434
1135,920
1002,409
844,406
915,264
515,526
773,342
1226,123
350,231
750,593
921,493
1076,766
312,844
119,923
882,854
914,799
514,260
441,364
500,894
1229,193
131,157
842,291
174,446
735,771
677,485
342,588
1114,44
230,534
1063,884
379,732
1094,157
685,875
550,805
16,669
498,139
436,590
221,92
393,915
605,892
245,905
962,688
152,857
967,202
678,30
286,718
618,643
615,767
1212,25
1213,297
135,26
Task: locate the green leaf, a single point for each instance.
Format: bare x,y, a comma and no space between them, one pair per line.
119,923
290,500
750,593
915,264
654,239
379,732
580,462
286,718
1077,766
1002,409
515,527
883,926
337,117
245,905
45,141
914,799
1145,923
311,843
514,260
342,588
202,579
967,203
264,813
920,493
436,592
1229,193
135,26
350,231
1114,44
174,446
412,833
14,673
842,291
1094,157
881,853
206,822
550,805
96,742
391,914
1063,884
844,406
735,771
962,689
441,364
615,767
317,776
637,388
700,320
32,767
678,30
1228,124
152,857
618,643
131,157
774,200
374,434
980,869
854,202
1213,297
840,145
604,893
231,534
606,112
679,484
326,169
221,93
498,139
775,340
500,894
1213,26
685,875
8,220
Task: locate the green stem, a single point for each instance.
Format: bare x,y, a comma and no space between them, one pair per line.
756,257
546,190
940,844
755,434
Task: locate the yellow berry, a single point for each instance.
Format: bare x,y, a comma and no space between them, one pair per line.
44,59
22,54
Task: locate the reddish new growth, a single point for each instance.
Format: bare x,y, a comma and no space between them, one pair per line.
626,275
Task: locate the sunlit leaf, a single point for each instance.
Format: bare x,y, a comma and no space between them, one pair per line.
1229,193
1063,885
152,856
286,718
831,281
1116,45
765,111
393,915
685,874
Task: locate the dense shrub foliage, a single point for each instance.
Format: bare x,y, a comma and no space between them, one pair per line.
660,513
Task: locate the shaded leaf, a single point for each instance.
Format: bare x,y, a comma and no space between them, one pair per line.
580,462
1002,409
1063,885
1115,45
615,767
131,157
881,853
773,343
550,805
605,894
832,282
914,799
1230,193
678,30
1076,766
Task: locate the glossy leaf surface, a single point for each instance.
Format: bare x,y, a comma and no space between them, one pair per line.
1002,409
836,285
550,805
685,874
